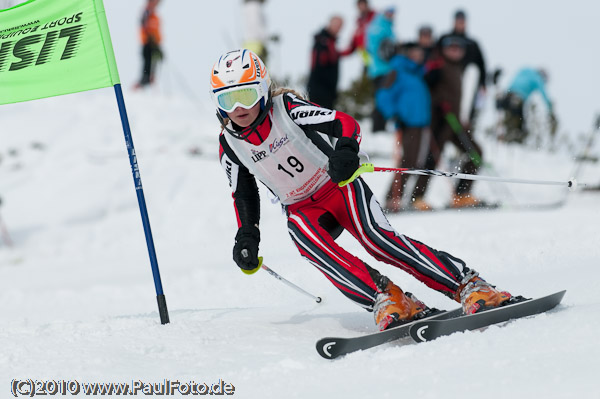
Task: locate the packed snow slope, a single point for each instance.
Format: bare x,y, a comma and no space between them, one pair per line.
78,301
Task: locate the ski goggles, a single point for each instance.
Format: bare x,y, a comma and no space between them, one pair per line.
244,96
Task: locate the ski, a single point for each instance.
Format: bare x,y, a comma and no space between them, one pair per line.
332,347
427,330
592,188
483,206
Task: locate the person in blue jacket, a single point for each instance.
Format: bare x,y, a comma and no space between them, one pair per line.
525,83
405,97
380,44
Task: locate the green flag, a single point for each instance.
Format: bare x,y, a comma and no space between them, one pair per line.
54,47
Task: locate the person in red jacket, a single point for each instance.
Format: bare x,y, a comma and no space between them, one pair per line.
365,15
273,136
325,61
151,39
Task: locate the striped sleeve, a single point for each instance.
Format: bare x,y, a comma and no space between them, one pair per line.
246,199
312,116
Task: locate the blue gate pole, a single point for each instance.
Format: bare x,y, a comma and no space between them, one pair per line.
160,296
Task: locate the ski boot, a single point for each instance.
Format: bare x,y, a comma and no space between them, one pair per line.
393,307
465,201
419,204
475,294
392,205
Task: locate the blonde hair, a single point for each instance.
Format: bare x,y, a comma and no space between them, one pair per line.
283,90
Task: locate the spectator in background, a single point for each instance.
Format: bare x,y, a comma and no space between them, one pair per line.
525,83
324,70
151,38
405,97
255,35
357,98
473,55
365,15
444,78
426,42
380,44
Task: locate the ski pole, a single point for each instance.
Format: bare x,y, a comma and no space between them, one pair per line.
278,277
475,156
589,144
369,167
463,138
5,234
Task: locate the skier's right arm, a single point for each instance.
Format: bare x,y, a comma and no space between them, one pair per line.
246,202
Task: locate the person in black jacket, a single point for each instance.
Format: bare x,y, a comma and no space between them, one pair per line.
426,41
473,55
324,69
444,77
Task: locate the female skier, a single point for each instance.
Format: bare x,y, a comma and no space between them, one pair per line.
271,135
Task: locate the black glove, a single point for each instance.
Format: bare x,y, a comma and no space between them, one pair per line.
245,250
344,161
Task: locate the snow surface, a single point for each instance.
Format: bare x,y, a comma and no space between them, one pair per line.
78,299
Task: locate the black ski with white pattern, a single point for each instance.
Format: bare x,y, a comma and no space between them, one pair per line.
332,347
427,330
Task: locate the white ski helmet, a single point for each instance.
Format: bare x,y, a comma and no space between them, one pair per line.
239,79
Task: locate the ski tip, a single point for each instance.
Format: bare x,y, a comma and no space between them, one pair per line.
325,348
561,294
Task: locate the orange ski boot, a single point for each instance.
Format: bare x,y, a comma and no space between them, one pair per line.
419,204
464,201
393,307
475,294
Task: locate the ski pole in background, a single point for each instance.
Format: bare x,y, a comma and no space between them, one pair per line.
583,156
369,167
475,156
5,234
457,128
278,277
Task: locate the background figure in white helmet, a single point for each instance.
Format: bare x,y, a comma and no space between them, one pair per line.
255,33
271,136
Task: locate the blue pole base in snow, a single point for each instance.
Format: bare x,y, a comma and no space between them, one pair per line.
137,180
162,309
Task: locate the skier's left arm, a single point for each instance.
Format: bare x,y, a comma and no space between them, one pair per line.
311,116
344,160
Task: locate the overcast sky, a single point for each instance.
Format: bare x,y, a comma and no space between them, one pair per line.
561,36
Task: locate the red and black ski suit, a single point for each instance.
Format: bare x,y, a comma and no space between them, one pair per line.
315,222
